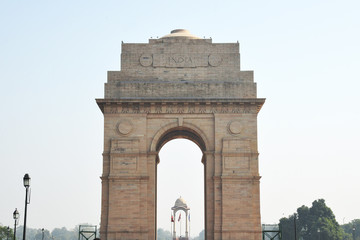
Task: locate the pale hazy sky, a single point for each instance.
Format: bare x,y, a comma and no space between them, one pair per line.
54,57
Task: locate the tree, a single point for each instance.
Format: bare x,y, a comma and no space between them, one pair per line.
163,235
166,235
64,234
6,233
316,222
201,236
30,233
39,234
287,227
349,229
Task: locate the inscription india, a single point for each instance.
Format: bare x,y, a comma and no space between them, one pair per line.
179,60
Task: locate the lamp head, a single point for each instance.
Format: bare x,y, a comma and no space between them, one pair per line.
16,214
26,180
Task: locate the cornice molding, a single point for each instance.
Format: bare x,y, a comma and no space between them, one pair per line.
180,106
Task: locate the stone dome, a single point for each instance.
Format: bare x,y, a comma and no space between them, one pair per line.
180,33
180,202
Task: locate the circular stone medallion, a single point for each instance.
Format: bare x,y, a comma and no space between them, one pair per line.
125,127
146,60
214,60
235,127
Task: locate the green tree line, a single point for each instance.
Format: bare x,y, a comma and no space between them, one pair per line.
317,223
166,235
308,223
65,234
37,233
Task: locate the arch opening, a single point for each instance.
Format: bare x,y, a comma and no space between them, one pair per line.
181,132
180,174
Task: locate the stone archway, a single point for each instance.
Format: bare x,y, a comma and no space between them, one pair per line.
180,86
189,132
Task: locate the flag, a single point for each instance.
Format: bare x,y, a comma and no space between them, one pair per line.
179,218
172,218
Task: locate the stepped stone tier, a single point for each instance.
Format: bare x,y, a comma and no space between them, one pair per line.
180,86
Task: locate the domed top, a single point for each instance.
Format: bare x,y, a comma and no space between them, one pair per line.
180,202
180,33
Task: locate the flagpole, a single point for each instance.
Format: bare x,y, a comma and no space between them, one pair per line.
189,230
189,226
179,220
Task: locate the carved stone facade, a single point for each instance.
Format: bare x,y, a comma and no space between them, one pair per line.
180,86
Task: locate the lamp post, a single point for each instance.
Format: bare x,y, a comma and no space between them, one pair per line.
16,217
26,180
295,226
302,231
353,233
318,231
42,238
7,233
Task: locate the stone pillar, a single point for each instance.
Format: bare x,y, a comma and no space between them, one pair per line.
174,233
186,225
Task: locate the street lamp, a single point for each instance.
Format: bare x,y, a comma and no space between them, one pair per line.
302,232
16,217
354,232
42,234
8,232
318,230
295,226
26,180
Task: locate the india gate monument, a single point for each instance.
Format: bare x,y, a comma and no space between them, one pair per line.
180,86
